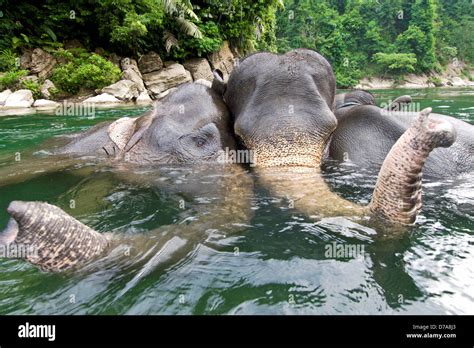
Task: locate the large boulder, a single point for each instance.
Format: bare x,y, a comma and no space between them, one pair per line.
44,104
46,88
172,76
38,62
123,90
131,72
150,62
103,98
4,95
23,98
199,69
223,60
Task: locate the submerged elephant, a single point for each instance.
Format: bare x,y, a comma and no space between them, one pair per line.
366,133
283,110
187,126
190,125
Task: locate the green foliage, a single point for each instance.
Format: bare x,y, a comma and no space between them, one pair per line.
11,78
399,63
8,60
355,31
210,42
131,32
83,70
450,52
33,86
193,27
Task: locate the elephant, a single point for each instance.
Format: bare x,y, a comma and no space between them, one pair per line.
283,110
366,133
187,126
362,97
190,127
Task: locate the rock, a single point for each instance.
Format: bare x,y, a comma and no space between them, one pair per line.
45,89
375,82
144,98
223,60
123,90
131,72
115,59
127,63
165,93
38,62
172,76
199,69
44,104
25,59
204,82
4,95
458,82
417,81
103,98
23,98
150,62
169,63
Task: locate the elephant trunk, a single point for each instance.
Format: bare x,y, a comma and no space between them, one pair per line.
48,237
397,194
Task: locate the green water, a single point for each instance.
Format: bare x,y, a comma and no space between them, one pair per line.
274,264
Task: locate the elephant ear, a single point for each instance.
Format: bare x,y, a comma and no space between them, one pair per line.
121,131
141,125
218,83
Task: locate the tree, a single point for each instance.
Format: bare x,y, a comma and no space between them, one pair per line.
398,63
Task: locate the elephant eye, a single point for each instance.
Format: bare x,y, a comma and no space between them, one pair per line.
200,142
202,139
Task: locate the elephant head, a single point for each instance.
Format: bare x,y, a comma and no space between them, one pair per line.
283,106
191,124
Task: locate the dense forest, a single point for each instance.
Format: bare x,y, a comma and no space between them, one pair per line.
378,37
359,37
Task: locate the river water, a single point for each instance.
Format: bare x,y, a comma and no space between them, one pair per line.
275,263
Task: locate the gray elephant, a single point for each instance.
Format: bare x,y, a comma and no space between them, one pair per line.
187,126
190,126
366,133
283,107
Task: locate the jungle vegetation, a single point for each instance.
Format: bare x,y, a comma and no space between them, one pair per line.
359,37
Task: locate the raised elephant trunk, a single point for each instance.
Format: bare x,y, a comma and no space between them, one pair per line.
397,195
46,236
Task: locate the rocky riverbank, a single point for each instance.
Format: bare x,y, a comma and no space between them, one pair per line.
143,80
452,76
149,78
